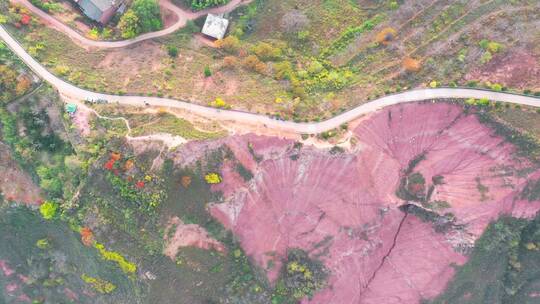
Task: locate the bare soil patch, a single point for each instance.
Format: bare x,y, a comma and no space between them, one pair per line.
516,68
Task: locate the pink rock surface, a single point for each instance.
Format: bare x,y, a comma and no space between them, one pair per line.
6,269
377,253
187,235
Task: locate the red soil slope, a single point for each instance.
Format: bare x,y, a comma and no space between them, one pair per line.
343,208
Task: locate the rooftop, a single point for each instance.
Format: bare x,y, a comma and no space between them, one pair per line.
215,26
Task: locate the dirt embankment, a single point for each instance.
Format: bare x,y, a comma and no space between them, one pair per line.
344,208
15,184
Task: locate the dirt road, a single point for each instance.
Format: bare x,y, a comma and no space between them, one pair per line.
72,91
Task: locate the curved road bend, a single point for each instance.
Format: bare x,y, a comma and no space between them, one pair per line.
182,15
70,90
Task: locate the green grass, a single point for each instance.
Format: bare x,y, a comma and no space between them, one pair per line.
167,123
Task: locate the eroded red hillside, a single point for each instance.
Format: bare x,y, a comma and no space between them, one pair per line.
345,208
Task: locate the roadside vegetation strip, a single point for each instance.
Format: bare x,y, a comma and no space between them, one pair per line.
257,119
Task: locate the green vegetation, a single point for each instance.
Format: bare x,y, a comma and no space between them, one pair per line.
14,80
202,4
98,284
301,277
48,210
126,266
502,268
53,259
143,124
172,51
48,6
143,16
212,178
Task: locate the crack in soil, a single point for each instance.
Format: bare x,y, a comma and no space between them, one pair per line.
394,241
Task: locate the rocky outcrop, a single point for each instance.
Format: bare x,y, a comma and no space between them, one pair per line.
343,208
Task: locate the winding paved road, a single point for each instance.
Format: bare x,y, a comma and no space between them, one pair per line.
182,15
72,91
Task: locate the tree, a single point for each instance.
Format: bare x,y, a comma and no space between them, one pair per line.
386,36
149,15
129,24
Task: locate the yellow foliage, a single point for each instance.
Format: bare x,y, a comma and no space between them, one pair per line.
126,266
219,103
98,284
212,178
531,246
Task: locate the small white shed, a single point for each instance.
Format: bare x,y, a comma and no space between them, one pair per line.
215,26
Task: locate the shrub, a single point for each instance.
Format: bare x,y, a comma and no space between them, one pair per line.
385,36
411,64
219,103
172,51
98,284
43,244
126,266
230,61
212,178
283,70
48,210
266,51
253,62
229,44
202,4
207,71
486,57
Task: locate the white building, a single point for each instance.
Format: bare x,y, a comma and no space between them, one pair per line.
215,26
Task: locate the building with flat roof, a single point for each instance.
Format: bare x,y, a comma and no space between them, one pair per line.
215,26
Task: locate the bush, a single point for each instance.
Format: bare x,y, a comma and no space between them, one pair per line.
411,64
207,72
48,210
172,51
266,51
202,4
229,44
253,62
230,61
212,178
219,103
386,36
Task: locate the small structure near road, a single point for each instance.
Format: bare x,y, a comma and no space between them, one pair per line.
215,26
71,108
101,11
